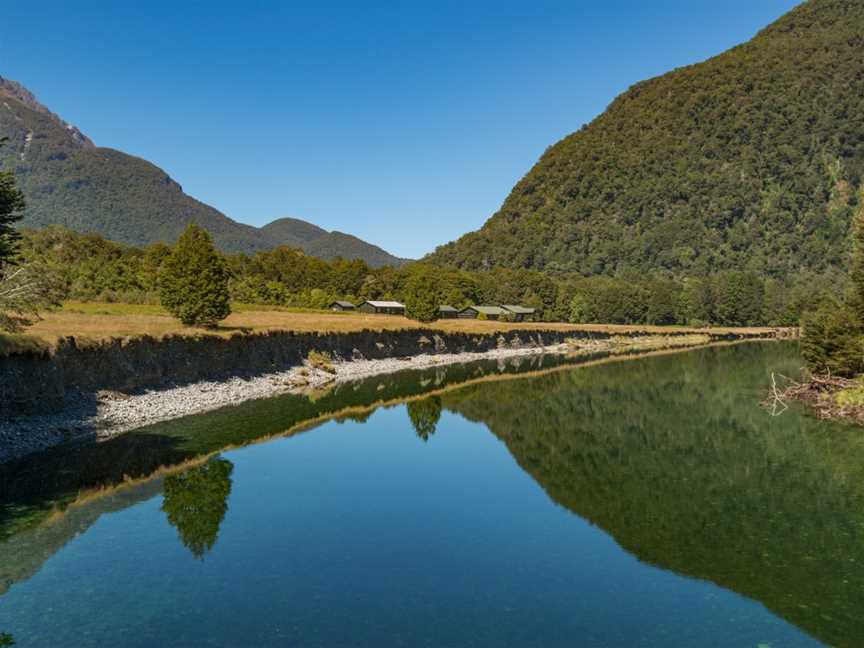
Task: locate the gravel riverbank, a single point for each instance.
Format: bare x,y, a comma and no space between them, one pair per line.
114,413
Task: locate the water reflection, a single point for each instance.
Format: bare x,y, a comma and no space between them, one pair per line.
195,502
671,456
674,458
424,415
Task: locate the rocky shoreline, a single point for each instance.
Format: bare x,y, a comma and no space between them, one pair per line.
116,412
83,417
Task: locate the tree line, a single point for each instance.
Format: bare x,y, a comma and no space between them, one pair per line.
88,267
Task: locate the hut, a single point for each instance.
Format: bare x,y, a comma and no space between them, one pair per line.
341,306
490,312
447,312
519,313
382,308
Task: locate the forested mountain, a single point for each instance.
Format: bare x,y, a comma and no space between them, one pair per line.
750,160
67,180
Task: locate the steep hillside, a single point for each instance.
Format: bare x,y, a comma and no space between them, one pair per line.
68,180
749,160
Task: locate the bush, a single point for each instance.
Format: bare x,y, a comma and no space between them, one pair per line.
193,286
321,360
833,341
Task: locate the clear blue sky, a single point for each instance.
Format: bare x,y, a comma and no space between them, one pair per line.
405,123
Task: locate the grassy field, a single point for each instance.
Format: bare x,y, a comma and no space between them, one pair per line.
100,321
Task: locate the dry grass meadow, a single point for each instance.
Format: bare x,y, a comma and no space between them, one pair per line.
94,322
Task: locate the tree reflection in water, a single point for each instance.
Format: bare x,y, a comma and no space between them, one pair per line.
424,415
195,502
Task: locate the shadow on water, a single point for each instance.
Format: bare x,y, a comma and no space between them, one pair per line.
670,455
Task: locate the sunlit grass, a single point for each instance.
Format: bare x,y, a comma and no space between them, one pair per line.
92,322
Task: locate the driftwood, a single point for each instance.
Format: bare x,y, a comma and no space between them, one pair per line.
817,392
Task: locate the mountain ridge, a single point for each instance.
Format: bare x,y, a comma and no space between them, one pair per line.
68,180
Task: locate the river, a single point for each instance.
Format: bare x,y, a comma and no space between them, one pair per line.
641,502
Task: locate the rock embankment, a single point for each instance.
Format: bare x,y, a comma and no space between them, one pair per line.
74,392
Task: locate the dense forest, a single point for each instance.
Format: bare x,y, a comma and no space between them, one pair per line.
68,180
90,268
748,162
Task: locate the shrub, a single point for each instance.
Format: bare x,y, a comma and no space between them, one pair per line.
193,286
321,360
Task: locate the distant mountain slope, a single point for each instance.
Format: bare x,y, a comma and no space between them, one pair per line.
326,245
68,180
292,231
748,160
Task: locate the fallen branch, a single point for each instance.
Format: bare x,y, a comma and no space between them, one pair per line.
818,393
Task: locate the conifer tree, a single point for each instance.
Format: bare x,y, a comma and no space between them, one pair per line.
11,206
422,295
193,285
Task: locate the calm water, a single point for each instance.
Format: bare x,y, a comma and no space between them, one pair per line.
650,502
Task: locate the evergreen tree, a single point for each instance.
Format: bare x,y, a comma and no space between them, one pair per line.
193,285
11,206
422,295
739,299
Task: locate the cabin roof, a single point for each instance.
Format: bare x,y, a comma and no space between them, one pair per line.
446,308
487,310
343,304
519,310
384,304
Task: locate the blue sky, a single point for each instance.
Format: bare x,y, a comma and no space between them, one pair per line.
405,123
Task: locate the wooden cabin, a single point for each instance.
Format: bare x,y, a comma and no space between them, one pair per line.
382,308
342,306
447,312
473,312
520,313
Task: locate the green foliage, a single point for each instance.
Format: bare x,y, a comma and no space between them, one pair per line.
195,503
6,639
11,206
739,299
748,161
833,340
422,295
424,415
193,284
856,273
